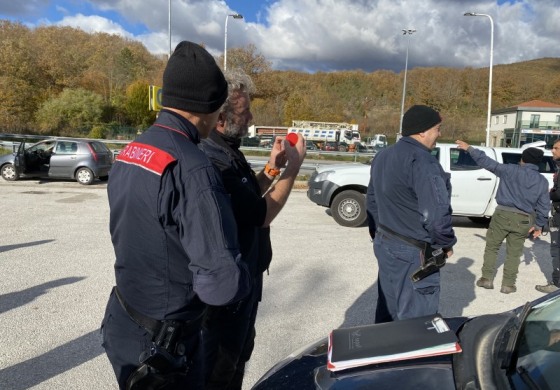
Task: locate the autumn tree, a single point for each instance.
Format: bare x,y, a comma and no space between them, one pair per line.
74,111
19,78
136,105
248,59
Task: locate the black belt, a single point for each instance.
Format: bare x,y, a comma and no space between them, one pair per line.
152,325
418,244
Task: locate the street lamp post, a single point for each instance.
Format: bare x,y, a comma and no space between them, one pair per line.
408,32
235,16
489,114
169,28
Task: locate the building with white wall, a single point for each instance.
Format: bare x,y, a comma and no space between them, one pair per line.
531,121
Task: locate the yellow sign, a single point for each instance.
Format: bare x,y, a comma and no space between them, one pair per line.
155,98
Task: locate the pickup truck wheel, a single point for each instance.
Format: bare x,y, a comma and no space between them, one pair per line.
349,208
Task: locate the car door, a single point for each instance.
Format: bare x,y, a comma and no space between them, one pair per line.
19,159
472,187
63,160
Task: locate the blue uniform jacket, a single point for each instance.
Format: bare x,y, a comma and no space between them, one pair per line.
410,193
172,225
521,186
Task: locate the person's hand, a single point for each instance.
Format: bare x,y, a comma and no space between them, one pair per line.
462,145
448,252
536,232
295,154
278,156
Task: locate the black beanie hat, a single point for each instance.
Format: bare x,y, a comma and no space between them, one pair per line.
192,81
532,156
419,119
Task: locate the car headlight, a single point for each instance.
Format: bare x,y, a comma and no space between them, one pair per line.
323,175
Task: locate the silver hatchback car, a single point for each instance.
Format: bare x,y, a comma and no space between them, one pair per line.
60,158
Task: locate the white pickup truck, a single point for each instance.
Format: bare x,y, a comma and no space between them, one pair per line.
343,187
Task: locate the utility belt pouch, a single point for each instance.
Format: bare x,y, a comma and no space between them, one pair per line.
164,362
431,265
163,354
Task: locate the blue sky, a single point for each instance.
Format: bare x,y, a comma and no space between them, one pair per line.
321,35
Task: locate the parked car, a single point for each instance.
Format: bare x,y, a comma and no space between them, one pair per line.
309,145
517,349
60,158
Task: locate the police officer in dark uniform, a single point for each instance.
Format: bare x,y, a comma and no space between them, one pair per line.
174,235
554,284
229,331
410,218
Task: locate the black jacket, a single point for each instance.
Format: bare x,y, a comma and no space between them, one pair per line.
172,225
249,206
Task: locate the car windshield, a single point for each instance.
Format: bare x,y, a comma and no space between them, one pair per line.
538,359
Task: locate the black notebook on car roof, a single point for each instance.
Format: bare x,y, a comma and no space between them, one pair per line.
391,341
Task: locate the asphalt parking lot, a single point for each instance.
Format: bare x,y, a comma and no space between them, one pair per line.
56,264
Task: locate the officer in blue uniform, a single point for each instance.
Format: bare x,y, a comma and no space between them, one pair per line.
409,216
174,235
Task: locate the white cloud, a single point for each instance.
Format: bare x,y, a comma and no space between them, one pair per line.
348,34
94,24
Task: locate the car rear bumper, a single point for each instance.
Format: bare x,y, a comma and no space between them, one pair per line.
102,171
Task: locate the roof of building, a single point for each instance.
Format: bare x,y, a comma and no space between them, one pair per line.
538,103
532,105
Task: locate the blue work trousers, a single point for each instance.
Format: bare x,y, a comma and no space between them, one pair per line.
397,260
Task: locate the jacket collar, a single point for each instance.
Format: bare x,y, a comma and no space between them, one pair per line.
412,141
173,121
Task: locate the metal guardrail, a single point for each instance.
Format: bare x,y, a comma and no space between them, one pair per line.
25,137
319,152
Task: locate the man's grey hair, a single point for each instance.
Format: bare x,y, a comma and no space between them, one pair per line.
238,81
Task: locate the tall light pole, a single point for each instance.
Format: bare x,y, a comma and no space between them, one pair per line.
169,29
235,16
408,32
489,114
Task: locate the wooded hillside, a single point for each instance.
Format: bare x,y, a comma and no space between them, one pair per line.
63,81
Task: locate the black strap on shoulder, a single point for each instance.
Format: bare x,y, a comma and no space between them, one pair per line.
150,324
418,244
